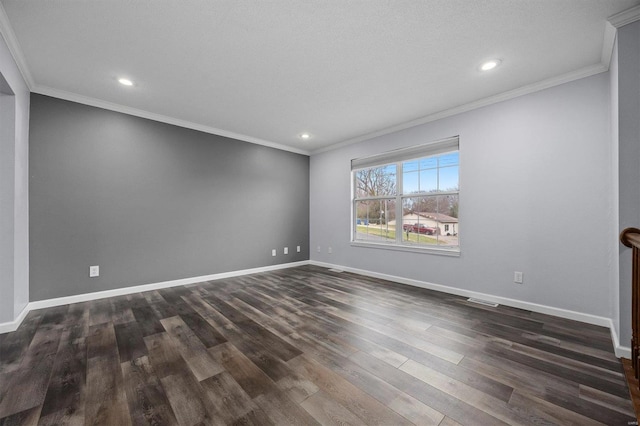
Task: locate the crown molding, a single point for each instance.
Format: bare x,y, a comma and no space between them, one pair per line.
524,90
608,44
74,97
613,23
14,47
625,17
6,30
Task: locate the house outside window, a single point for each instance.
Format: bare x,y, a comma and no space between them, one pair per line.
408,198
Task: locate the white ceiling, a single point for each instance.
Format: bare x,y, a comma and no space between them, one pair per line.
268,71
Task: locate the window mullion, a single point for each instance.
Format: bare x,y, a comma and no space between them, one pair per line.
378,197
399,191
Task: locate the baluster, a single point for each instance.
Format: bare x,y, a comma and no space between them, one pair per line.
630,237
635,282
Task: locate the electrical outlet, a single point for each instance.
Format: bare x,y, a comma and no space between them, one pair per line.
94,271
286,250
273,252
298,249
517,277
318,249
329,250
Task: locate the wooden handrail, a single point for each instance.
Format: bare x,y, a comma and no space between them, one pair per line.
630,237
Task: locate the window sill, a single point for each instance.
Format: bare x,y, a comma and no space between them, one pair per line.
415,249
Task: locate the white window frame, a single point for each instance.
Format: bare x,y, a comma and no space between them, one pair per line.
397,157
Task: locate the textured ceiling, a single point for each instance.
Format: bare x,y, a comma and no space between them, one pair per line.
268,71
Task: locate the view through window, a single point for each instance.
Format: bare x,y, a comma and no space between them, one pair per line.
409,197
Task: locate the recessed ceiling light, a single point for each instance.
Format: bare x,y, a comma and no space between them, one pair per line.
125,82
305,136
489,65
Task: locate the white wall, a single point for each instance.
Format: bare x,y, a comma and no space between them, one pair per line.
535,183
14,278
614,240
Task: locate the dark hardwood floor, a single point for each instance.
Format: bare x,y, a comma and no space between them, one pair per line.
306,346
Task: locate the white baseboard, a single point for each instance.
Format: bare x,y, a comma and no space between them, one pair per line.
7,327
620,351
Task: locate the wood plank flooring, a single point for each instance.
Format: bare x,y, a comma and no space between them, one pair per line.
306,346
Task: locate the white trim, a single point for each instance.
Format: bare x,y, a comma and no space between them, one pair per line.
14,47
524,90
625,17
534,307
610,30
6,327
438,250
616,21
59,301
6,30
621,351
608,44
74,97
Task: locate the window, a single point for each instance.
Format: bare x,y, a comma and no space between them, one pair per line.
408,198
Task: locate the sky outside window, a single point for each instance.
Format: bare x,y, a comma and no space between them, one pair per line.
430,174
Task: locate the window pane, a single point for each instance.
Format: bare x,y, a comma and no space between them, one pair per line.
448,178
431,174
428,163
450,159
376,181
428,180
375,220
411,166
410,182
430,220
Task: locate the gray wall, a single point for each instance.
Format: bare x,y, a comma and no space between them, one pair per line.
14,201
7,199
629,158
150,202
535,184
